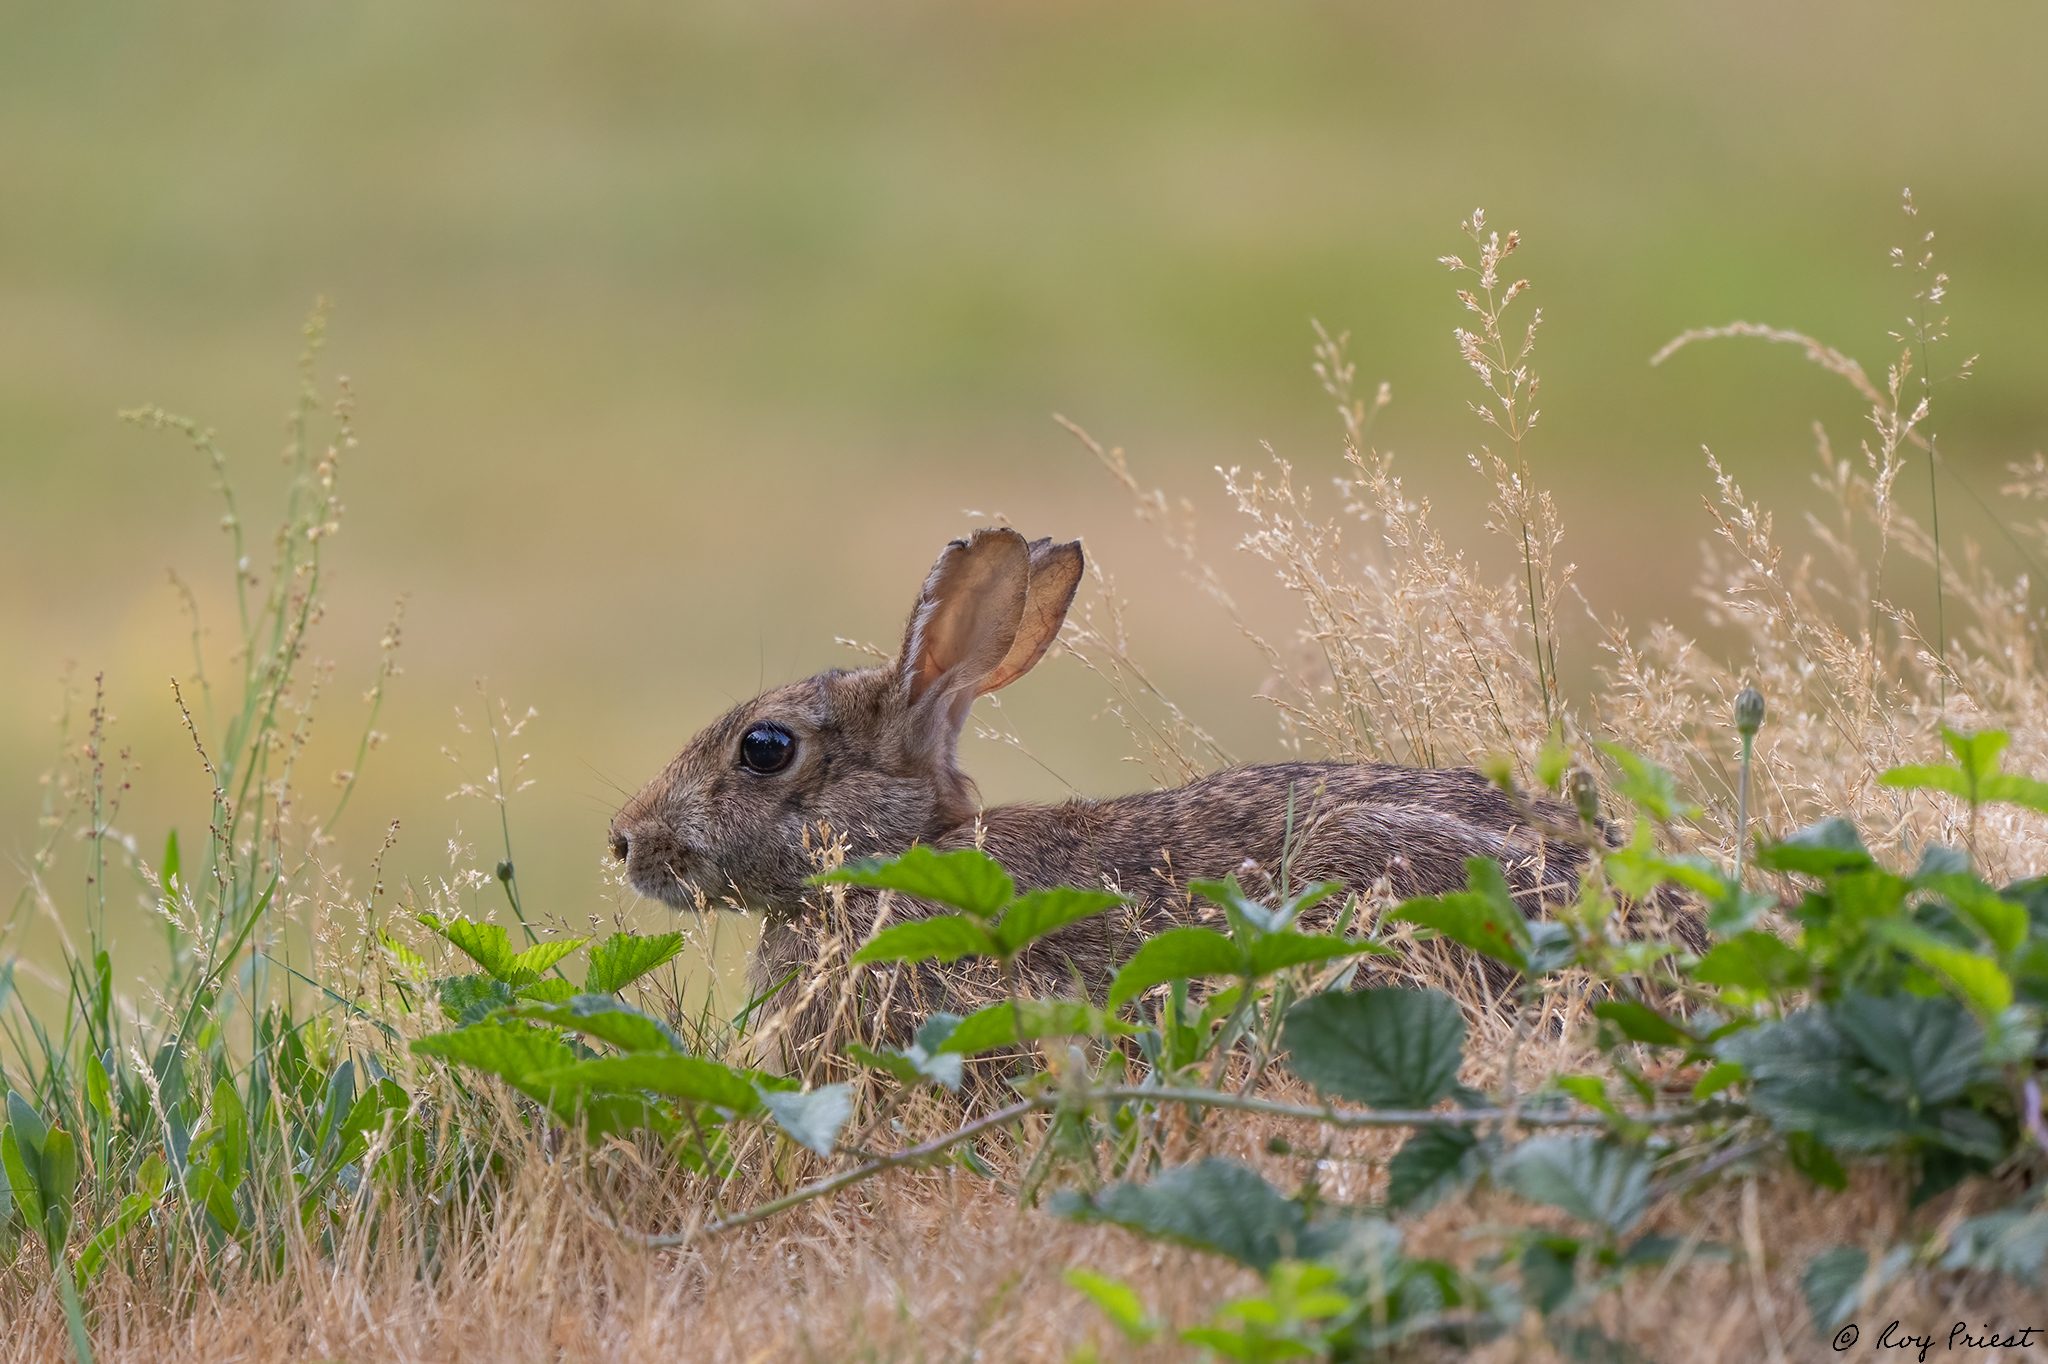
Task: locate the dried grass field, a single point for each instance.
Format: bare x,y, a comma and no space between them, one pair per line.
332,1114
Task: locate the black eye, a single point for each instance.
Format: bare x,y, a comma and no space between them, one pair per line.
767,749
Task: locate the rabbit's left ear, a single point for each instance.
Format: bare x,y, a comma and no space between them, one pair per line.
966,620
1055,574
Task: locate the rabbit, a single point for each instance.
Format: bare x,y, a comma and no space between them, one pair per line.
868,758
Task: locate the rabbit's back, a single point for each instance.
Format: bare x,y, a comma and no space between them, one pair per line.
1361,825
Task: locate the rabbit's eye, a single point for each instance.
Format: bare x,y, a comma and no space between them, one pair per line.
767,749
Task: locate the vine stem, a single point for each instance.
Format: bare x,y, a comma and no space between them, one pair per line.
926,1152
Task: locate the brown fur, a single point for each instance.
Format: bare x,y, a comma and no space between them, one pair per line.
875,770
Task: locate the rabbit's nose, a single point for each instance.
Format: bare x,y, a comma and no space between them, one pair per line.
622,846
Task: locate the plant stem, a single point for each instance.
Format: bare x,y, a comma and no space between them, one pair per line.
926,1152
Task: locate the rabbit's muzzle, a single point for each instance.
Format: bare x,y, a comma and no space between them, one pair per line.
655,859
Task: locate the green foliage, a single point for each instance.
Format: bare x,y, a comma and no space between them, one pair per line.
1386,1048
623,958
1486,919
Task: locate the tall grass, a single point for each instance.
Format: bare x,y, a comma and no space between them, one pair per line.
264,1160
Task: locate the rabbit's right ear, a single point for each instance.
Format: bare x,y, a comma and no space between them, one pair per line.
966,623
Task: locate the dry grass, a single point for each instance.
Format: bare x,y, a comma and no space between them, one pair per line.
1407,648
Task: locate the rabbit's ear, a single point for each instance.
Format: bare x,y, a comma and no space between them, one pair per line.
1055,573
966,620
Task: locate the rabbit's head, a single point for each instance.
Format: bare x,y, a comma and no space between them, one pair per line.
868,755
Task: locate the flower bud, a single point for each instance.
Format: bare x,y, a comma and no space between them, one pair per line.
1749,712
1585,793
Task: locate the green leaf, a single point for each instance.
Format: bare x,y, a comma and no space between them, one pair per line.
1870,1073
28,1125
552,990
1639,1022
1833,1283
514,1052
965,879
1757,961
1593,1178
2002,921
59,1180
23,1179
1040,912
1979,979
946,937
150,1181
1650,786
1549,1271
811,1117
469,999
996,1025
1189,952
623,958
1821,849
679,1077
1388,1048
486,944
1927,777
2010,1242
1214,1205
1932,1048
1483,918
1718,1077
1118,1301
528,966
925,1057
1813,1159
1431,1164
607,1020
2008,789
1283,948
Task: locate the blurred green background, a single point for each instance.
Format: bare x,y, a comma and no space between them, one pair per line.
684,335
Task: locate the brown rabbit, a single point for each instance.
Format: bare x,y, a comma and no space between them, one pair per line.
868,757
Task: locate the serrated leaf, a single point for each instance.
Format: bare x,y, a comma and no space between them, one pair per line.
523,968
623,958
514,1052
486,944
1040,912
1388,1048
551,990
607,1020
694,1078
811,1117
1869,1073
1431,1164
1188,952
1593,1178
965,879
945,937
1214,1205
468,999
